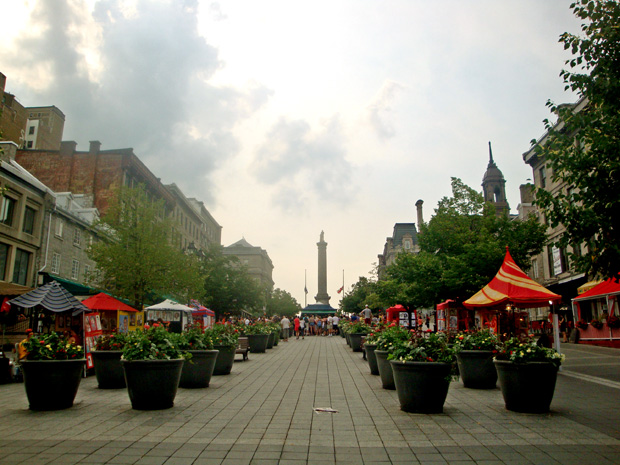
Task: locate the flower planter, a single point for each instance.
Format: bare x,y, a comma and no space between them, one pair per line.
258,343
422,387
108,369
476,369
347,337
197,371
356,341
527,387
385,369
372,358
224,361
52,384
271,339
152,384
276,339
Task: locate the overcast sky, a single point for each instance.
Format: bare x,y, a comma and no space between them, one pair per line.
289,118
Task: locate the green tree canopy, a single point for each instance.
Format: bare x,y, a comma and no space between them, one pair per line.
280,303
359,295
461,249
583,149
139,260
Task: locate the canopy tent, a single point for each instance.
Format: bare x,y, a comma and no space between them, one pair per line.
51,296
170,305
511,286
393,313
601,290
448,304
177,315
318,310
103,301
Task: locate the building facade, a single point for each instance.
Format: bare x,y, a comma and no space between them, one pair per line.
494,187
256,260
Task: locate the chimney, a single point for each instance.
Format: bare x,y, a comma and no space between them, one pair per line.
67,147
95,145
418,206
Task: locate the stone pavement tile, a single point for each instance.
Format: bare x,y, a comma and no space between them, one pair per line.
201,461
264,462
236,461
123,459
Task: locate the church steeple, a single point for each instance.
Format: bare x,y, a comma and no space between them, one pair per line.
494,187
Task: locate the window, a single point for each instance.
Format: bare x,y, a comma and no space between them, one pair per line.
60,224
407,244
31,130
7,211
20,270
75,269
77,237
56,263
86,272
542,172
29,144
535,268
4,257
29,215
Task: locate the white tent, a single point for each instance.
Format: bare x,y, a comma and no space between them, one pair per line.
170,305
178,315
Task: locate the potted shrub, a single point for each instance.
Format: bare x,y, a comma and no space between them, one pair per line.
474,354
152,361
225,340
356,332
422,368
527,374
107,361
390,336
258,337
52,371
198,370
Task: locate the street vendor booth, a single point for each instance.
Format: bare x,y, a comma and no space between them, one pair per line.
509,290
402,316
452,316
597,314
174,315
114,314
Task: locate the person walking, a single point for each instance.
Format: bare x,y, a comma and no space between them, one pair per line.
335,321
330,325
296,322
366,314
286,325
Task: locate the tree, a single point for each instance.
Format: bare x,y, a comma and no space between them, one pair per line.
461,249
227,286
138,259
280,302
583,148
358,296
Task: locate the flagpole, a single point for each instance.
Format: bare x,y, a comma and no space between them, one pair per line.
305,289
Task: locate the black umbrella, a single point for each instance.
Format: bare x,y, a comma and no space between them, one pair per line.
51,296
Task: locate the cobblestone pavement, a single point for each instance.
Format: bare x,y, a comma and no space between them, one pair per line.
262,414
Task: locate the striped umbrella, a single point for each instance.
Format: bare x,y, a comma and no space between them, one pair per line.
51,296
511,286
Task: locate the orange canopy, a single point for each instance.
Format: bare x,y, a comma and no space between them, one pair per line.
103,301
511,286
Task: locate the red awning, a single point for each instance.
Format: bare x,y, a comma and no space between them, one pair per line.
511,286
607,287
103,301
393,312
447,305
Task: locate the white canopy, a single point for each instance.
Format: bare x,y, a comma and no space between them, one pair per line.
170,305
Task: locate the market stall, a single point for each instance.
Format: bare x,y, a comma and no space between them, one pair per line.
115,315
597,314
452,316
510,290
174,315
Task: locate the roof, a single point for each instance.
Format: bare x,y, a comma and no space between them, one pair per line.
607,287
511,286
402,229
318,309
51,296
170,305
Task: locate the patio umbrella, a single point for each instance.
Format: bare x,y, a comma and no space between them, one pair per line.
51,296
103,301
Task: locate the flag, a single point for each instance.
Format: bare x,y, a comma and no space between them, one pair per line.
305,289
6,306
341,289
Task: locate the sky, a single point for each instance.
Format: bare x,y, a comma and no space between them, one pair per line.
290,118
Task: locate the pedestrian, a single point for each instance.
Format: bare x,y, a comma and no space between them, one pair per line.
296,322
330,325
311,325
302,327
335,322
286,324
319,326
366,314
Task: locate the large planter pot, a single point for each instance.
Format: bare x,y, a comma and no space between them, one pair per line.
385,369
152,384
476,369
356,341
422,387
372,358
258,343
224,361
197,371
347,338
271,340
108,369
276,339
52,384
527,387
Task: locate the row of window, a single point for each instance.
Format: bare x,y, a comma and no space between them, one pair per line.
7,214
20,264
75,267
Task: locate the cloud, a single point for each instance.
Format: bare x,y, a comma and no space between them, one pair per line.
305,166
216,12
150,87
380,108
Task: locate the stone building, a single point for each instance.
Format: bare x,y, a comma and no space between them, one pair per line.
553,268
13,117
494,187
256,260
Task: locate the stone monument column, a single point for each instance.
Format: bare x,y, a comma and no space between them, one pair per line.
322,297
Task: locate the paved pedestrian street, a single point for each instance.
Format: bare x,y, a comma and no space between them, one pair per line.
263,414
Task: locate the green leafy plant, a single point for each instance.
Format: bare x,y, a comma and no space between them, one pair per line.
434,348
195,339
477,340
359,328
114,341
518,351
154,343
52,347
224,335
256,328
391,336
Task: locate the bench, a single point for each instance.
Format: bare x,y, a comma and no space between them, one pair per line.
243,348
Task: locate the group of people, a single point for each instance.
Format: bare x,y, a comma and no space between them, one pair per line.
310,326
